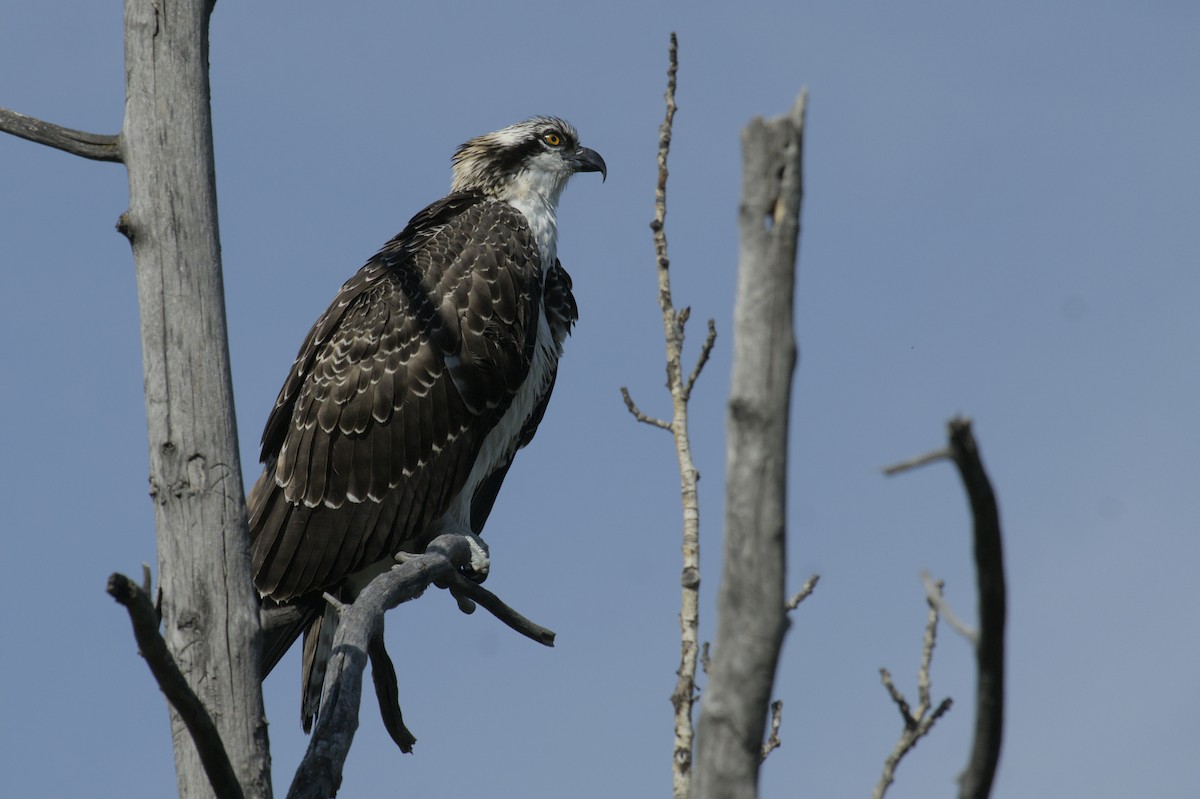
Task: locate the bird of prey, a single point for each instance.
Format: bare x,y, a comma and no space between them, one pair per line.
412,393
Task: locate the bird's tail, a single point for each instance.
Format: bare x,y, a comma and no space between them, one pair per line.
318,646
282,624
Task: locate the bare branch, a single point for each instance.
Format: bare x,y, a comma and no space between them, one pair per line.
493,604
920,460
641,417
98,147
916,724
933,593
773,741
387,692
170,679
336,603
705,352
924,685
684,695
664,149
804,593
752,600
901,703
976,781
360,632
674,322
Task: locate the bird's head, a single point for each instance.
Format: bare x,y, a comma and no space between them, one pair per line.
538,155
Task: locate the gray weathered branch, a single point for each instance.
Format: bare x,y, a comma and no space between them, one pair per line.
360,635
209,607
752,605
98,147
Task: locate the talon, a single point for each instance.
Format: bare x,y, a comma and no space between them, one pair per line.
477,570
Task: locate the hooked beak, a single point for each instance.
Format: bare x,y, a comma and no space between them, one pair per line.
588,160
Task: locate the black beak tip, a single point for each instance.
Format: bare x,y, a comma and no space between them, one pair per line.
588,160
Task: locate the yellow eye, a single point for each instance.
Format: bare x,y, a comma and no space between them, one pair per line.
552,138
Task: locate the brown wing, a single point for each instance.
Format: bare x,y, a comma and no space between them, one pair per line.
380,420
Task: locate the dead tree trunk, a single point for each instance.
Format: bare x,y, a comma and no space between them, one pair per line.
751,601
209,611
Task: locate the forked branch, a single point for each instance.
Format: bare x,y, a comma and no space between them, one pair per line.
917,723
360,635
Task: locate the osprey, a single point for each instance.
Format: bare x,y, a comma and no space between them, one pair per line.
412,393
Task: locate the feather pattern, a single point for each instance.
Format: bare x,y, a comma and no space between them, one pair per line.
398,382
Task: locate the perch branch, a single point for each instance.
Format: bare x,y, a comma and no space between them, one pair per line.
359,635
145,621
916,724
98,147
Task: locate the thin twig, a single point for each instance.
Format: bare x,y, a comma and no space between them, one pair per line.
920,460
641,417
933,593
917,723
705,352
901,703
171,681
773,742
804,593
98,147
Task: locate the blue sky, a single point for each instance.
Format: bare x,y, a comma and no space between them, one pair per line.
1000,220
